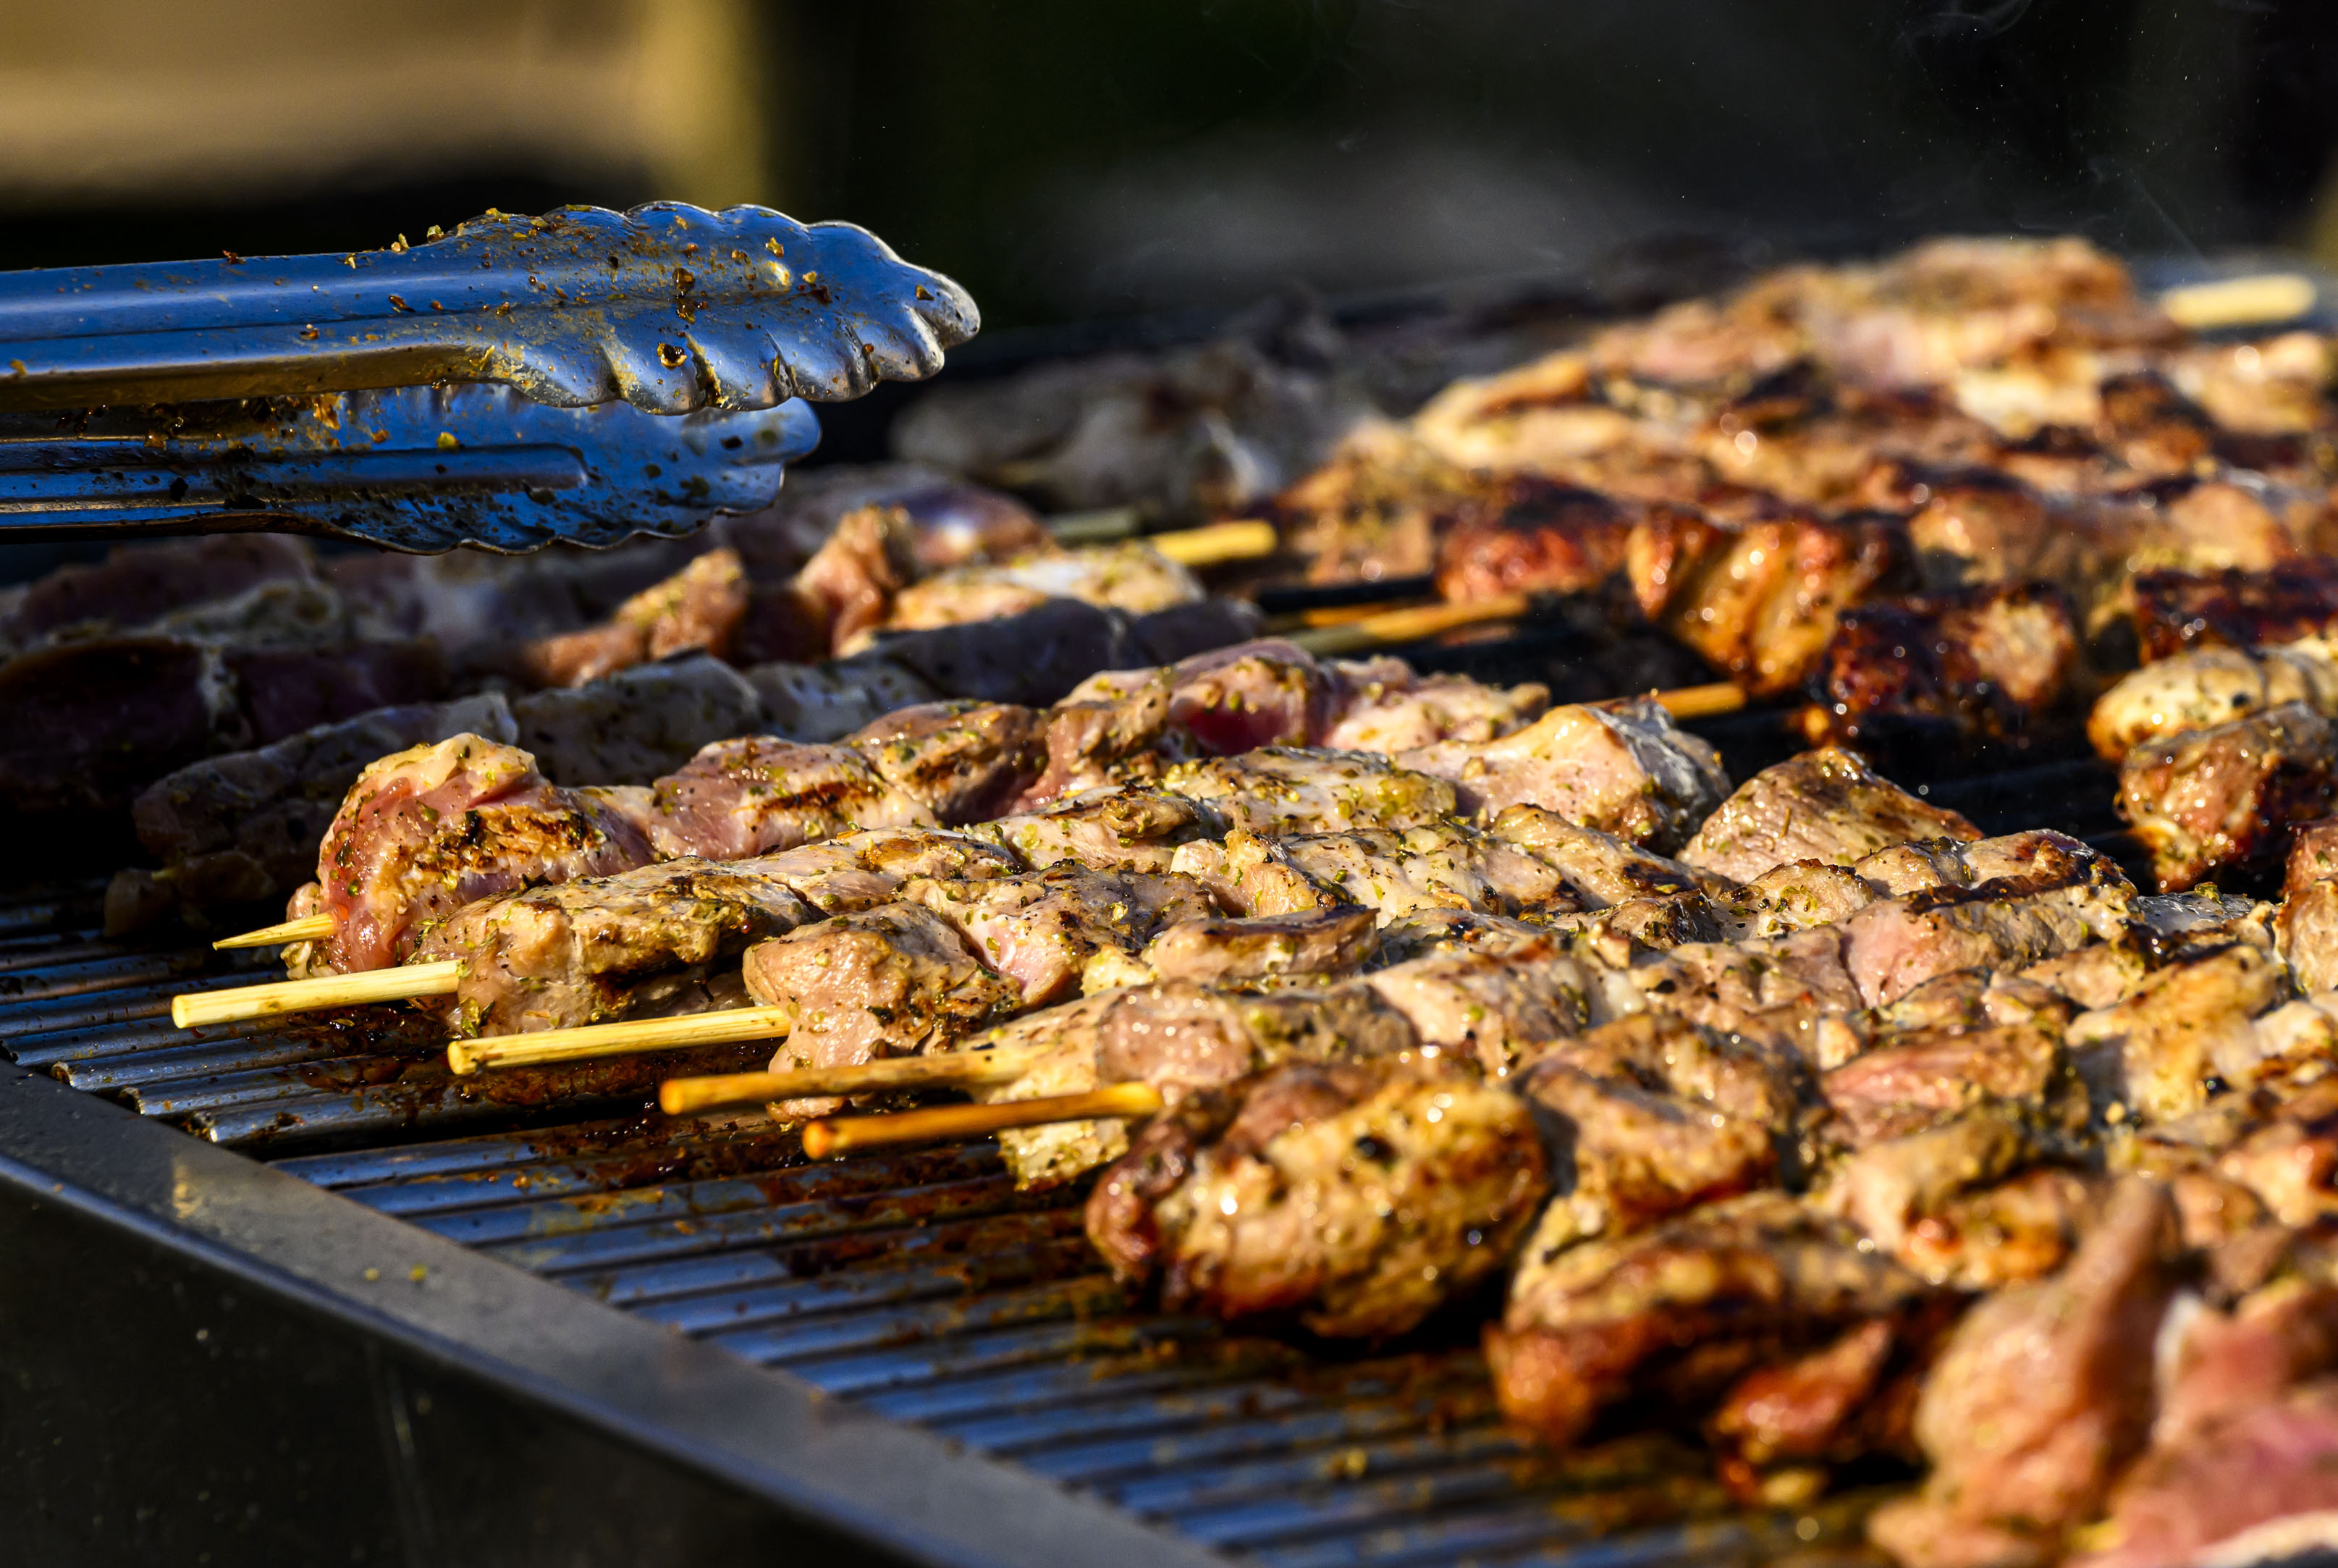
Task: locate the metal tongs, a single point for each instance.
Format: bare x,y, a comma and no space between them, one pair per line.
584,376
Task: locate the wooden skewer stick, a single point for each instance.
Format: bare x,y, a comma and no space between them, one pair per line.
1242,540
408,983
1702,702
307,928
1409,624
2261,300
843,1134
596,1040
691,1095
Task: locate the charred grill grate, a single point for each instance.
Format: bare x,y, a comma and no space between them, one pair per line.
919,1286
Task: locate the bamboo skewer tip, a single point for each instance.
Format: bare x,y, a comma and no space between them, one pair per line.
584,1042
307,928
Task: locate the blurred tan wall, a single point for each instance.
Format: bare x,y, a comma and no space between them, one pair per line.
122,101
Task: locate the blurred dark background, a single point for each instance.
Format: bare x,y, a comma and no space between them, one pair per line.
1068,160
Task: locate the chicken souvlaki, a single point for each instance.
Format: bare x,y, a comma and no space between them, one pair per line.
1806,1116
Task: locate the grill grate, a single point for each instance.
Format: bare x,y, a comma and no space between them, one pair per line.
919,1285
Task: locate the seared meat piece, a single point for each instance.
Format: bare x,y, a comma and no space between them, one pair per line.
558,956
1359,1196
1600,868
636,725
1221,951
1975,665
1681,1309
138,585
1773,989
1920,1078
1113,729
2021,1229
1042,928
2285,1154
1434,931
742,797
2225,798
1107,828
1279,790
1845,1401
1385,707
1446,865
964,762
242,828
1759,600
90,723
1826,805
2308,921
857,870
828,701
426,830
1130,575
1890,1188
1624,768
1532,535
847,586
893,981
1180,1038
1800,895
1650,1116
2188,1029
2226,1364
1500,1007
2042,1393
2207,687
696,609
1252,694
2176,611
2259,1485
1980,526
2063,900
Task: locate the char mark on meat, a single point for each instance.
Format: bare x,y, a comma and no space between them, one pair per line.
2225,799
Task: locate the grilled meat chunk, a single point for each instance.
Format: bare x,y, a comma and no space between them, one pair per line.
242,828
2308,921
2207,687
2259,1486
2186,1030
1624,768
830,700
1445,865
2225,798
1598,868
638,724
1500,1008
1041,929
696,609
1359,1196
558,956
1978,666
1760,599
742,797
1181,1037
2041,1395
2064,899
1279,790
1533,535
1649,1116
893,981
1129,576
1826,805
1134,830
426,830
1770,988
964,761
1216,950
1681,1309
1384,707
2176,611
